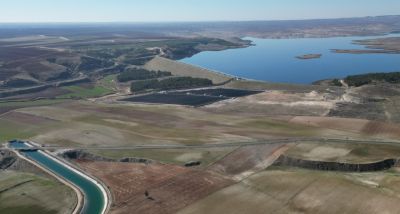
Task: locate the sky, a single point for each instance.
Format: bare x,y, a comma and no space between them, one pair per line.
188,10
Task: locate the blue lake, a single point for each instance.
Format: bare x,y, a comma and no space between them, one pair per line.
274,60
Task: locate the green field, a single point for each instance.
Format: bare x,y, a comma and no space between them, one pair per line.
82,92
9,131
23,193
109,82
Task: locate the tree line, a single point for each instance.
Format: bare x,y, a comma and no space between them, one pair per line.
364,79
141,74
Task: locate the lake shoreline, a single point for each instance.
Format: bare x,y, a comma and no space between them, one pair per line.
272,60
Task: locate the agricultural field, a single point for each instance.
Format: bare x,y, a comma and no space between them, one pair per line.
18,125
278,112
231,175
87,124
252,159
154,188
173,138
29,193
344,153
83,92
7,106
226,137
287,190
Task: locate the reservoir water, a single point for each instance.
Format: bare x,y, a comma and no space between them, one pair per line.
274,60
94,200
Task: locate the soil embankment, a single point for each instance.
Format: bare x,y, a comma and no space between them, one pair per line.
85,156
10,161
6,159
335,166
182,69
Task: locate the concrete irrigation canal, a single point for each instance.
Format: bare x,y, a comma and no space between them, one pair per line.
95,196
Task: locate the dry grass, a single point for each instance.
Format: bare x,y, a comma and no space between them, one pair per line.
248,160
29,193
297,191
358,126
346,153
86,123
181,69
276,102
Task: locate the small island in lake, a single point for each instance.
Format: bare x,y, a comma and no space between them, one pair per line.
309,56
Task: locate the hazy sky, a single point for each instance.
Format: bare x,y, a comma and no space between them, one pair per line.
188,10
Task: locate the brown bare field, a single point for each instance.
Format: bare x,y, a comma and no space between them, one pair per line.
344,153
382,129
86,123
181,69
248,160
26,118
169,188
277,102
300,191
359,126
18,125
354,125
170,156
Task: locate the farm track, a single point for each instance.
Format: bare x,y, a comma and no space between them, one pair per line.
221,145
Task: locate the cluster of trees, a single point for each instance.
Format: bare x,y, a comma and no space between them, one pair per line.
141,74
169,84
19,82
363,79
90,64
113,70
139,56
137,61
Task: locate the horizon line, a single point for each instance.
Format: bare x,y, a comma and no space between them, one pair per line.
192,21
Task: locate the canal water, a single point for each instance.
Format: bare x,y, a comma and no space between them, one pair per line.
94,201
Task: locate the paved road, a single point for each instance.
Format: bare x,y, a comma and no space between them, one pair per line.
276,141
